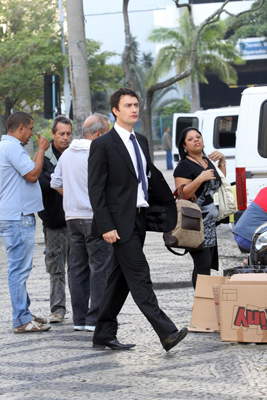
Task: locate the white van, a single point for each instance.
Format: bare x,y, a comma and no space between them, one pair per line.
218,128
251,146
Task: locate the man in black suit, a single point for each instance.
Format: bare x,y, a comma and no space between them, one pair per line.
128,196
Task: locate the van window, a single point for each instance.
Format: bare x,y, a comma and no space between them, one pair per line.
182,123
224,132
262,137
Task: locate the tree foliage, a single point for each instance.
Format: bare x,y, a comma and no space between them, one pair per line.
30,46
211,19
132,56
165,114
102,75
140,70
213,53
179,106
147,60
249,25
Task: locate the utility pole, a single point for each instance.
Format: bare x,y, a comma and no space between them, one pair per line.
79,73
66,86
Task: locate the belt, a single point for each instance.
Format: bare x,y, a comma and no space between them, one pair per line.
27,215
140,210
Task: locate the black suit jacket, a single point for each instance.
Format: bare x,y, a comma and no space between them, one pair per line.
112,185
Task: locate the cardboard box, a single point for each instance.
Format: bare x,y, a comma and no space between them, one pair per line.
248,279
241,307
204,317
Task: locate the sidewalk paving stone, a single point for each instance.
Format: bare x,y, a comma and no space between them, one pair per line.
61,364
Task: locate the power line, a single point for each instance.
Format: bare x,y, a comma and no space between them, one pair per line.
120,12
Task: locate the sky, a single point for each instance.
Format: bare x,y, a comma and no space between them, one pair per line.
108,28
116,5
104,20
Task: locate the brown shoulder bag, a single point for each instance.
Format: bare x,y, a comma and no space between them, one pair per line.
189,231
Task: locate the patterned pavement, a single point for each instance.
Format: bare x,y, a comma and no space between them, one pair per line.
61,364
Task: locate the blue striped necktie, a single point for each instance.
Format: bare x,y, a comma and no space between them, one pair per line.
141,174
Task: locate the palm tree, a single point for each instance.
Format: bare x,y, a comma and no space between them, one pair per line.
100,101
132,57
213,54
139,74
147,60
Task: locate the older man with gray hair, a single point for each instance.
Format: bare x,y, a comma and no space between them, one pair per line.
90,257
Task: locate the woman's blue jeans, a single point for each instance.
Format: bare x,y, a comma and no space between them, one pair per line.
18,239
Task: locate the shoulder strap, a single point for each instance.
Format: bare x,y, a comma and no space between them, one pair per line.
175,252
179,194
221,174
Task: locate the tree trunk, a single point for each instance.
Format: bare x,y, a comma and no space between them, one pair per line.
78,60
127,48
144,111
3,118
195,101
147,123
2,126
8,107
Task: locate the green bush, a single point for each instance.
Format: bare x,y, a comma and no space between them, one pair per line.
43,126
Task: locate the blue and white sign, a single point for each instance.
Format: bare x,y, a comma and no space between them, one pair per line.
253,48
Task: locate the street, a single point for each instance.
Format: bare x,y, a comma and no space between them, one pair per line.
61,364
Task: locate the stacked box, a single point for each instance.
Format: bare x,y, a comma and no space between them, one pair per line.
241,308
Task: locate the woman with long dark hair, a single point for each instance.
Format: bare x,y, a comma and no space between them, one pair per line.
199,176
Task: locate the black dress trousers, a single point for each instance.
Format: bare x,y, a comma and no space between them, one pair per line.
131,273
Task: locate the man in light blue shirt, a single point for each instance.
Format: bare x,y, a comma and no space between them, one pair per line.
20,198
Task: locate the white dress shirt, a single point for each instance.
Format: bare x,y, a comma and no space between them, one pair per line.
125,137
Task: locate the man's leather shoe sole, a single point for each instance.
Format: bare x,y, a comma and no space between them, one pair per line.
174,338
113,345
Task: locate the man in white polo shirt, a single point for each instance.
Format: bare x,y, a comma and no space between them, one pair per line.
20,198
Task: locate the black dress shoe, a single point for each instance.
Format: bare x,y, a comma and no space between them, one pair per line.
113,345
174,338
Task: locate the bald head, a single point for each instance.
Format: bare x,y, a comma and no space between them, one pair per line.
95,126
